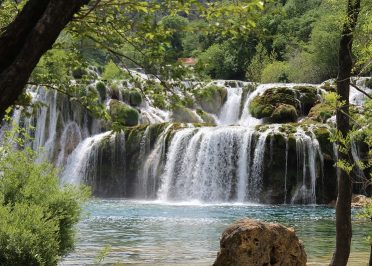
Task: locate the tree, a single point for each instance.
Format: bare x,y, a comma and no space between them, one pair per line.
343,204
110,24
26,39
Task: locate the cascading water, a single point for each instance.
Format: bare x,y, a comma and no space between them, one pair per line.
230,111
173,162
78,163
148,175
308,152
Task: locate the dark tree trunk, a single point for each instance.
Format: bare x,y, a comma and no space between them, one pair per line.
26,39
343,204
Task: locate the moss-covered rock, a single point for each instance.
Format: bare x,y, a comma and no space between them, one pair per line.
135,97
263,106
301,98
284,113
184,115
114,91
211,98
123,114
207,118
321,112
307,95
327,86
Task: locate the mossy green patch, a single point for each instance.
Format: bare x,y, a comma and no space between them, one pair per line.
369,83
123,114
135,97
184,115
321,112
284,113
101,89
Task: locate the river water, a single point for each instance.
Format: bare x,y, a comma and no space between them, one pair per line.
163,233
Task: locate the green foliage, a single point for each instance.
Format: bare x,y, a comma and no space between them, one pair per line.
177,25
112,72
101,88
276,72
257,64
37,216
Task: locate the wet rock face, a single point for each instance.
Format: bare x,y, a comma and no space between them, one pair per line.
250,242
184,115
211,98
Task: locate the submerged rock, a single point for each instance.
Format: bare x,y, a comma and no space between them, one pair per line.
250,242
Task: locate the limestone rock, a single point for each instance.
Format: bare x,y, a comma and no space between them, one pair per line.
250,242
184,115
211,98
360,201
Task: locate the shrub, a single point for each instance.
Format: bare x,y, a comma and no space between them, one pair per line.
101,88
275,72
37,216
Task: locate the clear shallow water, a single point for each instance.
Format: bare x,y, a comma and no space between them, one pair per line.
157,233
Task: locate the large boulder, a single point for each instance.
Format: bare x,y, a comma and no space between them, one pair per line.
211,98
250,242
301,98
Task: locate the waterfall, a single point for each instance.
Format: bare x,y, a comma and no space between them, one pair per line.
244,166
182,162
147,177
230,111
255,180
286,170
71,137
78,162
308,154
213,165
